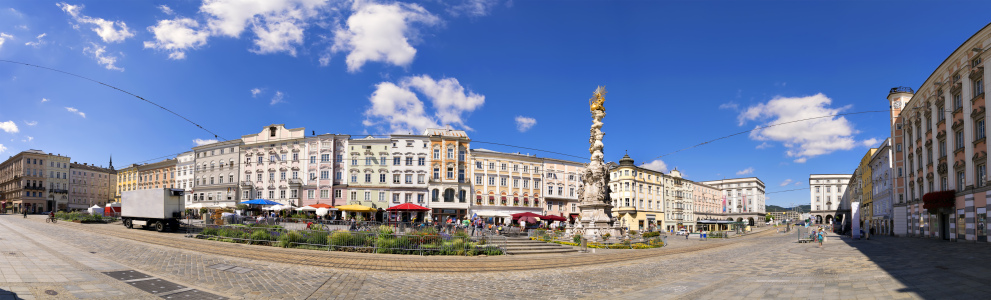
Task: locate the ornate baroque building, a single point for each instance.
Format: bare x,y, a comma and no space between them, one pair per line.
271,164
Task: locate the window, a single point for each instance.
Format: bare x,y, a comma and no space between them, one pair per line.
354,161
323,158
478,179
503,167
368,196
354,178
978,85
957,103
450,152
409,161
282,176
979,129
940,116
337,193
502,181
450,173
981,175
942,148
396,160
516,168
409,178
421,161
324,174
942,183
960,181
461,155
368,161
340,157
395,178
492,180
478,165
516,183
958,137
382,178
271,194
368,177
437,153
395,198
271,176
309,194
381,196
283,157
436,173
382,161
354,195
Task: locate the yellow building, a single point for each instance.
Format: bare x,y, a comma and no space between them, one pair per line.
637,196
866,196
448,185
127,179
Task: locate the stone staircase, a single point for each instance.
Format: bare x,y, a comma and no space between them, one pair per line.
524,246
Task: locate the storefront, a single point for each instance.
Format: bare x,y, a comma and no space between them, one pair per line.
442,214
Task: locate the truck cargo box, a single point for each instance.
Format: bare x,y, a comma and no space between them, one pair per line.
152,203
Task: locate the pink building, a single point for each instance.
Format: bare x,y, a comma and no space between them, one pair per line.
562,179
325,182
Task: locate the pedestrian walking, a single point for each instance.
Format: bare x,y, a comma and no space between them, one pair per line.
820,237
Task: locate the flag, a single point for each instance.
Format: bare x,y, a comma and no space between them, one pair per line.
744,203
724,203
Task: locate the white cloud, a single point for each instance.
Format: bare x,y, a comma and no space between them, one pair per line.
39,42
871,142
803,139
277,98
76,111
380,33
31,123
786,182
277,24
399,107
166,10
475,8
764,145
176,36
28,139
524,123
2,148
656,165
729,105
801,160
99,53
255,92
43,100
107,30
798,183
746,171
3,38
9,127
448,98
201,142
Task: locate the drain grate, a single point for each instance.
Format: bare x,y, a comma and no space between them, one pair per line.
159,287
51,292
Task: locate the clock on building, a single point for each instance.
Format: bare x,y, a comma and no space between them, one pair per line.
897,104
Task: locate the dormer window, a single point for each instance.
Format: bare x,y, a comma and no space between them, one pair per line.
271,131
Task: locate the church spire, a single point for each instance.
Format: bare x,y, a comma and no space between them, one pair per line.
111,161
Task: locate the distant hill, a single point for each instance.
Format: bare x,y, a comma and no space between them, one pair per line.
775,208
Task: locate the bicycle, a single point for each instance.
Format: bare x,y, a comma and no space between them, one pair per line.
51,220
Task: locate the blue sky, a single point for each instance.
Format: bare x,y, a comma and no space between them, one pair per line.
516,72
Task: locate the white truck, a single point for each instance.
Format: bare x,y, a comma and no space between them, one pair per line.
157,208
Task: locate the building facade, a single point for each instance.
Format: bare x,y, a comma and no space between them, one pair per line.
409,170
271,165
562,179
127,180
826,198
678,202
90,185
58,181
185,170
881,191
448,183
326,166
944,148
741,195
866,197
368,172
638,196
22,182
157,175
504,184
216,172
707,200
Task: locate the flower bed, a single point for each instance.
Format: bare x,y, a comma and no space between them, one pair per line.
382,240
79,217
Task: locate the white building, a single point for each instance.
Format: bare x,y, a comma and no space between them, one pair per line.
562,179
185,178
826,197
271,164
741,195
881,188
217,172
409,170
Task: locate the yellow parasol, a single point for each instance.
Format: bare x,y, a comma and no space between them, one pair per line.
356,208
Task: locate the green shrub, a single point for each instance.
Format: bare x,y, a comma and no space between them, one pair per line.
209,231
651,234
290,239
633,232
577,239
384,230
317,238
261,236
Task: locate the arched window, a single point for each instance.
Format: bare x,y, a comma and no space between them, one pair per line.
449,195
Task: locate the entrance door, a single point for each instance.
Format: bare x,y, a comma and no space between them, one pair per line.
944,226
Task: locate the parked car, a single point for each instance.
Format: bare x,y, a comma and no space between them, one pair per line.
682,232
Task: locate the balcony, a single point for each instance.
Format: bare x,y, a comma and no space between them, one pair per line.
36,188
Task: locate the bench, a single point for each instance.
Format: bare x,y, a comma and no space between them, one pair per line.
805,240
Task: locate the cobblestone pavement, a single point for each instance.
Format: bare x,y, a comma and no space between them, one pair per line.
763,265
